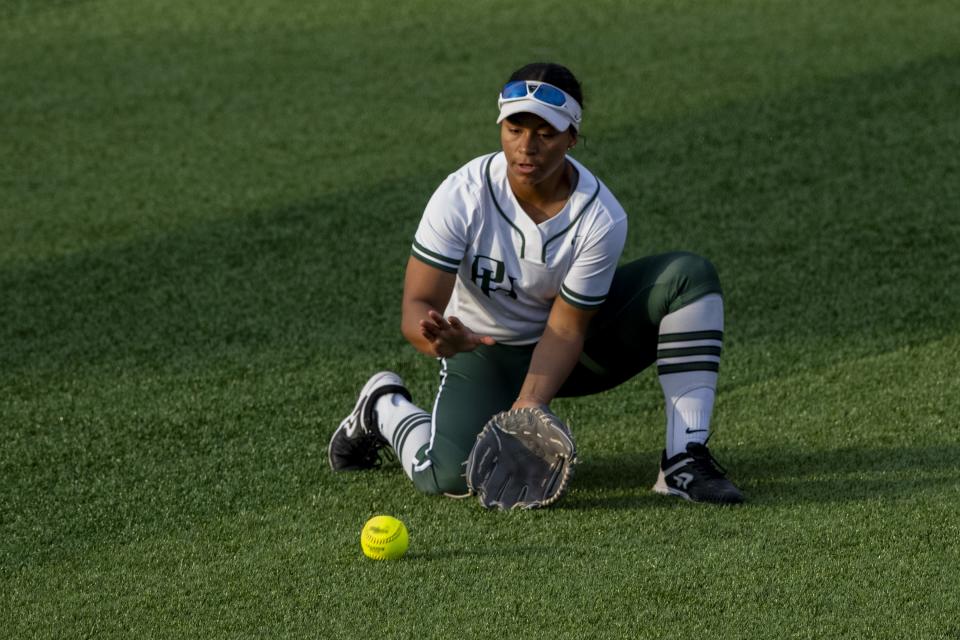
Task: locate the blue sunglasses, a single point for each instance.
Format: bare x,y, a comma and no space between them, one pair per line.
539,91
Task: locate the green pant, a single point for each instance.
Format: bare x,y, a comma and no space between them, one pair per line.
621,341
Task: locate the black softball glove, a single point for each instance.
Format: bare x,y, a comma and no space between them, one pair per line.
523,459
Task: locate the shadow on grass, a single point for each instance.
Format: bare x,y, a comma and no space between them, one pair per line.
780,194
499,551
14,9
776,477
259,283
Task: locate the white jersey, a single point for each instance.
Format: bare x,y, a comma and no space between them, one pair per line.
510,269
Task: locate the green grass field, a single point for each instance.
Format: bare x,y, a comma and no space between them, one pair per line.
205,209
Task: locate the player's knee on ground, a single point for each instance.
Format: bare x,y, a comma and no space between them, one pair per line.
444,462
439,478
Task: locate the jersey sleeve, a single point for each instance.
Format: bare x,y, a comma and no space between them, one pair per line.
441,238
587,283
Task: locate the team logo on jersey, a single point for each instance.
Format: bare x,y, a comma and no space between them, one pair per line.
487,273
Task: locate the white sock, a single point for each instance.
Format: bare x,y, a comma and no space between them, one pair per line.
688,358
405,426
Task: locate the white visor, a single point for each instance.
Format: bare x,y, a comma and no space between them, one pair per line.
560,118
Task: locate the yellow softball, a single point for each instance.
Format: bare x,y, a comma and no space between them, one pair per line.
384,538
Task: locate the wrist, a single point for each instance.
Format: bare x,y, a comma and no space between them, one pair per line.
527,400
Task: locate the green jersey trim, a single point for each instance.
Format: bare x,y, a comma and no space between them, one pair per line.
543,257
434,259
493,196
579,300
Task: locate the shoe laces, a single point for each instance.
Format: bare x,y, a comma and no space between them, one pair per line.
369,449
386,454
705,463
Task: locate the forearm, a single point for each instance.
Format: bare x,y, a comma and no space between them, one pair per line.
413,312
425,290
553,359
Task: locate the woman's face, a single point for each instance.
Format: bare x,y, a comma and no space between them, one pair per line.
535,151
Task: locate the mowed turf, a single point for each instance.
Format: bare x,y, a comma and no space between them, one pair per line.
205,209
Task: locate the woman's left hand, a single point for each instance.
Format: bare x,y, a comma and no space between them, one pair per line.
524,402
555,355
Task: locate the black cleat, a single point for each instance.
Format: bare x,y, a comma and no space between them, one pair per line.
695,475
356,443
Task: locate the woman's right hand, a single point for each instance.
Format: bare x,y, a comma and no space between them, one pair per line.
448,336
426,289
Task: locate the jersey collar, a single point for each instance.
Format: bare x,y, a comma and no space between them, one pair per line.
535,238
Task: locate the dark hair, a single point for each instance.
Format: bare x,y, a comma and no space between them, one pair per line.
556,74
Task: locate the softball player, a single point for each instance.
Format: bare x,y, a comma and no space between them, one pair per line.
513,285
